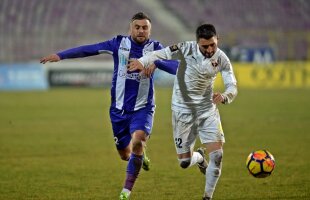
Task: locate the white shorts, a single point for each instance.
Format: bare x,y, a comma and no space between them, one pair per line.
187,126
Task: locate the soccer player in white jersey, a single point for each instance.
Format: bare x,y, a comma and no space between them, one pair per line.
194,104
132,94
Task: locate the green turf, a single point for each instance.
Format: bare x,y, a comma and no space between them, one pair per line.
58,145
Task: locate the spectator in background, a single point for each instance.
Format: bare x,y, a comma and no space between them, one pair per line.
194,104
132,93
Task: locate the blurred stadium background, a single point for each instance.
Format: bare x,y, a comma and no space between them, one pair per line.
250,32
30,29
53,144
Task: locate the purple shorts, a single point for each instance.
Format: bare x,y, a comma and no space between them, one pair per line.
124,123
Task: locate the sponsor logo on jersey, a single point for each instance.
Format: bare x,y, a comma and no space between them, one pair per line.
132,76
124,48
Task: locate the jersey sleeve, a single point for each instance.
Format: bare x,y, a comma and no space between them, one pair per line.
229,80
170,66
158,46
89,50
165,53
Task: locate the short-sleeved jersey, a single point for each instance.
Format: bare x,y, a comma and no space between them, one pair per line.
193,85
130,91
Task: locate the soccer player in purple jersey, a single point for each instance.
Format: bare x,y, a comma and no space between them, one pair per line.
132,93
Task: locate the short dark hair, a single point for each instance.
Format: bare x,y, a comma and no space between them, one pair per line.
205,31
140,16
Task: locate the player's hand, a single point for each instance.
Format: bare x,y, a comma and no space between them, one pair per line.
50,58
218,98
134,65
149,70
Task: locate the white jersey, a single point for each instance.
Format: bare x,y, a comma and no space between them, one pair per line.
194,82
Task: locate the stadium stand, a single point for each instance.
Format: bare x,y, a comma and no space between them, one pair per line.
32,28
282,24
244,14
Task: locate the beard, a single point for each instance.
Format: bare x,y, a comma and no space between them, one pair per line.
140,39
209,55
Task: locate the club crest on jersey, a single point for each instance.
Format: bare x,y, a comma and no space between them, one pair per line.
215,63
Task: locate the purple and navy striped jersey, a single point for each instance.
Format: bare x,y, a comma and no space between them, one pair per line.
130,91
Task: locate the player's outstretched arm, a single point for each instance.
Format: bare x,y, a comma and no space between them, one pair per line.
169,66
50,58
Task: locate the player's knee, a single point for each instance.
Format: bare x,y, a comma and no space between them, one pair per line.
215,164
137,146
185,162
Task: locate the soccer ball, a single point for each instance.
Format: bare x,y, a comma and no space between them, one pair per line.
260,163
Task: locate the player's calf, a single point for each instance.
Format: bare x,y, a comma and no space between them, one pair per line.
213,171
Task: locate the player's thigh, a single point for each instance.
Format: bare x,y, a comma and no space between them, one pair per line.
210,128
184,131
142,120
121,132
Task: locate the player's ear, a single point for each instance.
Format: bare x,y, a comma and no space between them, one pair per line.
150,27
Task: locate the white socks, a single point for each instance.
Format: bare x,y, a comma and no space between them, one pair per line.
196,158
213,171
126,191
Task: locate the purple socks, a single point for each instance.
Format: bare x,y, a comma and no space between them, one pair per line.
133,169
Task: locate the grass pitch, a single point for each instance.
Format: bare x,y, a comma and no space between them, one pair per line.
58,145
